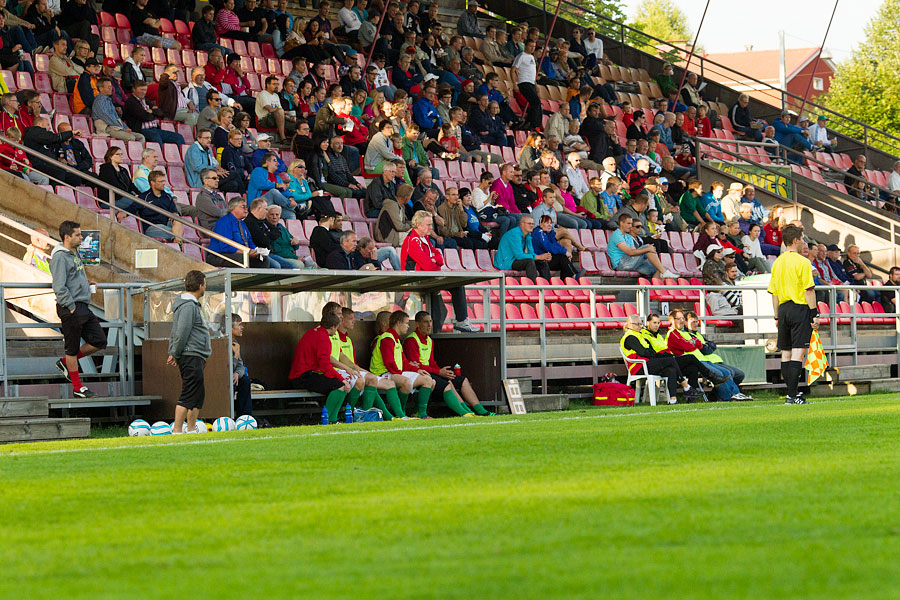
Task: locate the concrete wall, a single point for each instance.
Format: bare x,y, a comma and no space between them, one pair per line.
37,207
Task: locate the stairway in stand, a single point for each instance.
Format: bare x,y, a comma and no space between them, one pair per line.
28,420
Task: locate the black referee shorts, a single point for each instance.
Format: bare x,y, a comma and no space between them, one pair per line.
78,325
794,326
193,389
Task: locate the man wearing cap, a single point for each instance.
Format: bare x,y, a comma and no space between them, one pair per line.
731,203
791,136
468,21
818,135
741,120
108,70
86,87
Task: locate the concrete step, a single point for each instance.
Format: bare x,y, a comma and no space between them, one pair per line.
526,385
102,401
884,385
33,430
846,388
859,373
545,402
17,408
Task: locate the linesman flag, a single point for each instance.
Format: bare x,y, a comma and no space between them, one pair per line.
816,361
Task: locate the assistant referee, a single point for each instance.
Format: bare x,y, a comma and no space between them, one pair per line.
794,302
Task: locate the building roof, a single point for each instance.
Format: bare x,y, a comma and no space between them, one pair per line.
763,64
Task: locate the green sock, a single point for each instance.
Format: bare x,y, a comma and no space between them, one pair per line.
353,397
454,404
480,410
424,394
379,404
333,403
396,401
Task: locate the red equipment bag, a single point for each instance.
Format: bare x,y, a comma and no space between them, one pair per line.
613,394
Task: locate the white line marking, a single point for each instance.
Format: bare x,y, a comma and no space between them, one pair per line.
338,431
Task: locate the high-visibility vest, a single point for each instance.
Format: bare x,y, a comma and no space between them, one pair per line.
376,365
424,349
657,341
713,358
633,368
341,346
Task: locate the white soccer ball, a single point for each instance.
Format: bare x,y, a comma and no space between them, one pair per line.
201,427
223,424
245,422
161,428
138,428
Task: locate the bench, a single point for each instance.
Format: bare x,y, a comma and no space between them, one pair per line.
289,402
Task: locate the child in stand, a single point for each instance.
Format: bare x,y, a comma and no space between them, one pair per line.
449,142
653,224
704,127
16,161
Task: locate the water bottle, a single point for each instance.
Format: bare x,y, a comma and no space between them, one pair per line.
324,416
348,414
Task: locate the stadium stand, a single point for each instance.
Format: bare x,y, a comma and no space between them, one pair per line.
459,135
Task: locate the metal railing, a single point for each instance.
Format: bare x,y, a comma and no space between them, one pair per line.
643,304
877,197
583,16
123,325
109,202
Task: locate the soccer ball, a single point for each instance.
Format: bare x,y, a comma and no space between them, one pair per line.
138,428
245,422
201,427
161,428
223,424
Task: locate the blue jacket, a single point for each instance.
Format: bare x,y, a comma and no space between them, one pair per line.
454,81
544,242
234,159
259,184
479,121
426,115
404,82
493,95
839,271
713,208
298,190
256,160
195,160
783,132
229,227
513,248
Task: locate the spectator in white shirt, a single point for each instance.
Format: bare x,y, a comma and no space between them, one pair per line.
579,187
818,135
594,47
349,20
894,179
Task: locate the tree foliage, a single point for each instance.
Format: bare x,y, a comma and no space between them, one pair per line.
663,20
586,17
864,86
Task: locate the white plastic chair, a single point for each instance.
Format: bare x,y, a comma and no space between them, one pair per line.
644,382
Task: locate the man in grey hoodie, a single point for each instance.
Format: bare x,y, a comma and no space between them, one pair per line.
73,297
189,347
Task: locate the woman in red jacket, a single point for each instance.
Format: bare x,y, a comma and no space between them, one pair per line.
418,254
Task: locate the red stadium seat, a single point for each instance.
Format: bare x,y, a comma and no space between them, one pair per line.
514,295
513,313
573,312
451,260
122,21
467,257
483,258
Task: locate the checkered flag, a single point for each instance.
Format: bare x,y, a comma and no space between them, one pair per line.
816,361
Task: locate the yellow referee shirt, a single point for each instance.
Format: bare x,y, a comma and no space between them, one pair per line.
791,277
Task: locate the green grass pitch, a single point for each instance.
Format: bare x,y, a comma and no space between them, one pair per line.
752,500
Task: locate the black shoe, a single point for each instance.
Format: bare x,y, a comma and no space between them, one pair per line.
798,399
61,366
84,392
716,378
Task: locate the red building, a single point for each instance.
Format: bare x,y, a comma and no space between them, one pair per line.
763,66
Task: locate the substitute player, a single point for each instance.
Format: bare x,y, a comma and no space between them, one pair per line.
387,357
73,297
419,350
189,347
794,302
343,357
311,367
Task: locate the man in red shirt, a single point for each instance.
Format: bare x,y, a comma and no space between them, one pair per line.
419,351
311,367
418,254
387,357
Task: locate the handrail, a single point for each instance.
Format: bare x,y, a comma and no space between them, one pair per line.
113,192
580,11
716,144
